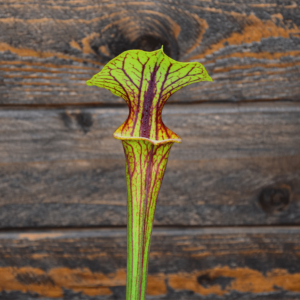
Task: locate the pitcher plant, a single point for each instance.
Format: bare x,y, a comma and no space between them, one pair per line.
145,80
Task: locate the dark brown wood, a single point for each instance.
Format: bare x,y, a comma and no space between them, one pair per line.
228,263
48,50
237,165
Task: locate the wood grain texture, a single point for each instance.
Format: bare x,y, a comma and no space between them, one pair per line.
48,49
237,165
215,263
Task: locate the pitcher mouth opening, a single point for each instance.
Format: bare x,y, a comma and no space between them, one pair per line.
154,142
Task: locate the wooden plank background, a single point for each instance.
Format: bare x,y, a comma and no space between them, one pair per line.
227,224
50,48
226,263
61,167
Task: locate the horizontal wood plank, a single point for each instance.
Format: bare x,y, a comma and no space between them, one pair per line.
237,165
216,263
48,51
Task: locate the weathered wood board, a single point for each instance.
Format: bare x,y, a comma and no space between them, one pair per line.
237,165
214,263
49,49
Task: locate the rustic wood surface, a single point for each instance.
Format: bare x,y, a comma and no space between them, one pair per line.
48,49
215,263
237,165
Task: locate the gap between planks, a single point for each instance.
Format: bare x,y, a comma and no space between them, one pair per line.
120,231
215,103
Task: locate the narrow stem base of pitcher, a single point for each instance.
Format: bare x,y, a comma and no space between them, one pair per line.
145,167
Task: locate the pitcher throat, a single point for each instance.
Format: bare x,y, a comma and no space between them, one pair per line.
145,167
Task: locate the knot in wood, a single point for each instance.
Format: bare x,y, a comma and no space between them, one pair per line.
274,200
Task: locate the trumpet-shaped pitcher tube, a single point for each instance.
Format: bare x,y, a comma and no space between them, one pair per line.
145,80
